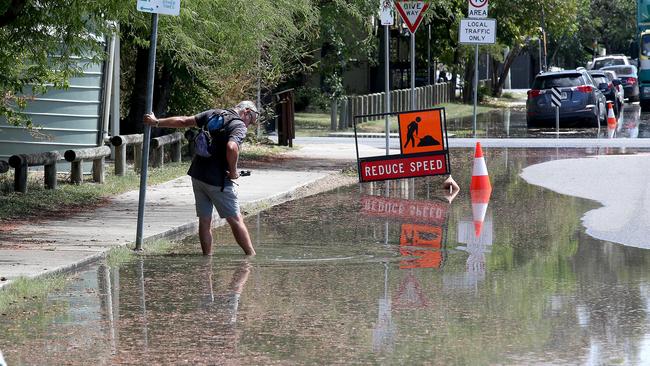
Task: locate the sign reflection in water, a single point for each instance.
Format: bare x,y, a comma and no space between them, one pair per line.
421,245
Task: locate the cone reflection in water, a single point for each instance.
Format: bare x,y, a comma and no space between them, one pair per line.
480,200
480,189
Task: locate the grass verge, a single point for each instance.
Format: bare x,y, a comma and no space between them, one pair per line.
24,290
41,202
318,124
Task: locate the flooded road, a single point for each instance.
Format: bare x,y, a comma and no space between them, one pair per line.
505,123
382,274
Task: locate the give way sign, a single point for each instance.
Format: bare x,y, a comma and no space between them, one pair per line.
411,12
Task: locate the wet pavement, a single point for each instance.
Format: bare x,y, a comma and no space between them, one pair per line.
511,123
372,274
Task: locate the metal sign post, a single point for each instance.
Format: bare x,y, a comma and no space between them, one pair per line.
477,32
386,15
411,12
171,7
556,100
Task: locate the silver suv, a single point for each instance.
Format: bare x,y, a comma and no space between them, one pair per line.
609,60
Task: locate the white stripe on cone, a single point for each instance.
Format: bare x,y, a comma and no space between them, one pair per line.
479,167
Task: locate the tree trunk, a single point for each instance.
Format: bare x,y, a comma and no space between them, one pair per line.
133,123
506,68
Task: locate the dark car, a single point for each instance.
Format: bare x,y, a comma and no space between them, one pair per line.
581,100
608,87
629,78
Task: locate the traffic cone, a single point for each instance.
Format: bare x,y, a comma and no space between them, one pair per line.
480,189
480,178
611,118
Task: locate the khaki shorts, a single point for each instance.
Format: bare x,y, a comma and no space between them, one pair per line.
207,196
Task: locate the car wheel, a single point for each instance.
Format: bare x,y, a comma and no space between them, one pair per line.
645,105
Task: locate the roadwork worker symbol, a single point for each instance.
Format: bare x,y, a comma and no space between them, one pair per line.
421,131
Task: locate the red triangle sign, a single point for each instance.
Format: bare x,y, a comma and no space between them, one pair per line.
411,12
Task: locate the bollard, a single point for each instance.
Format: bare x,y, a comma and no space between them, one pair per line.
158,144
120,142
20,162
76,158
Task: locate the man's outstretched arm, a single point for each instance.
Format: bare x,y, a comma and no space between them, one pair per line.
169,122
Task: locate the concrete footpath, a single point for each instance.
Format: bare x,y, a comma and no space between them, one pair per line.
49,246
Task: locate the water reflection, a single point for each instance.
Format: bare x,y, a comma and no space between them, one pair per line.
378,274
511,122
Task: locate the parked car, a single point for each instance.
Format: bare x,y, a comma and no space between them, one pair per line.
608,87
581,100
630,80
609,60
618,84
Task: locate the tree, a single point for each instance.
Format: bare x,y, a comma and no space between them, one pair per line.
520,21
39,43
213,53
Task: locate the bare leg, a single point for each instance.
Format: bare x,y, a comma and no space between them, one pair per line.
205,234
240,232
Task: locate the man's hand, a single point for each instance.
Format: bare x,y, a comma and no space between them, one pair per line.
150,119
232,175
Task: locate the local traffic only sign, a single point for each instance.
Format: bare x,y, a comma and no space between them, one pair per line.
423,146
477,31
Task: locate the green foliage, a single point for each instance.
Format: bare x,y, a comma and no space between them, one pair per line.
312,99
41,42
216,51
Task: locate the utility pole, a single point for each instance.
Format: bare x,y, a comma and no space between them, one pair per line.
543,28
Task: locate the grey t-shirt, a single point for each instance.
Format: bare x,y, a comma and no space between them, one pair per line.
212,170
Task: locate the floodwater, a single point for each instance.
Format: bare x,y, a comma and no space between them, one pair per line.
511,122
372,274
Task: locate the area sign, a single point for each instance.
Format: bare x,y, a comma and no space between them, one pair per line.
167,7
411,12
423,146
477,8
477,31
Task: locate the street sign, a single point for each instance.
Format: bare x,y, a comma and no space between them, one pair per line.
423,146
386,12
167,7
421,131
477,31
556,97
477,9
411,12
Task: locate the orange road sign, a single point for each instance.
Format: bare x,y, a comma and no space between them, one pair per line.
421,131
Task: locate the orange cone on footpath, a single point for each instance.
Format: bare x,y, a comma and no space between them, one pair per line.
480,189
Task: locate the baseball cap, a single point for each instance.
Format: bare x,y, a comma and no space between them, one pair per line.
247,104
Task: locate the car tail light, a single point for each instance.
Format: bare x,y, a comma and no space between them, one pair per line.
585,88
534,93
